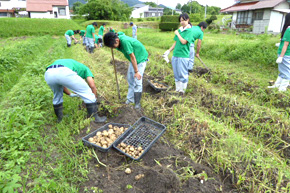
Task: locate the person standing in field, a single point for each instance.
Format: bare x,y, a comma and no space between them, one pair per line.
90,37
70,34
283,59
136,53
134,30
83,36
181,54
197,32
101,31
112,30
65,74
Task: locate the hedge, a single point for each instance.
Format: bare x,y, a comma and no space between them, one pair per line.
170,26
174,18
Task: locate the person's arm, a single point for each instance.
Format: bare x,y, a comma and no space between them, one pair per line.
284,49
94,37
172,47
183,41
198,47
92,85
135,66
66,91
136,31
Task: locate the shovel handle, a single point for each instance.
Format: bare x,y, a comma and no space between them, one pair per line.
202,62
116,74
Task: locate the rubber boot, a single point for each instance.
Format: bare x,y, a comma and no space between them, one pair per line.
92,50
277,83
88,49
283,86
178,86
183,87
68,45
58,111
92,109
137,99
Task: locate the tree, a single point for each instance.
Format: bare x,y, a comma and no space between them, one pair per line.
76,7
178,6
151,4
168,11
185,8
106,10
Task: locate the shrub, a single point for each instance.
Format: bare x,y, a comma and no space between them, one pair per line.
169,18
168,26
139,19
150,19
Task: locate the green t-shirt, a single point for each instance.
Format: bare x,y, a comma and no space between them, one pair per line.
82,32
82,70
112,30
286,37
69,32
197,33
96,38
101,30
182,50
90,30
130,45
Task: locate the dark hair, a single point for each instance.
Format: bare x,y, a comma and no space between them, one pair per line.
286,24
77,31
104,24
95,24
100,40
202,24
110,39
184,16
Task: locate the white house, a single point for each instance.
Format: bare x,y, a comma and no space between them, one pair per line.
263,15
48,9
142,11
8,7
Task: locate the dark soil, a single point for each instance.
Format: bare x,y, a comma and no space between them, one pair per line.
165,169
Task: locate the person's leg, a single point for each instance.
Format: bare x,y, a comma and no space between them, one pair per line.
138,86
284,69
51,77
101,43
68,40
84,40
130,79
87,44
191,58
174,62
91,45
183,69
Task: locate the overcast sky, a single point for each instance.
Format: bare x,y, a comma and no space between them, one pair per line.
172,3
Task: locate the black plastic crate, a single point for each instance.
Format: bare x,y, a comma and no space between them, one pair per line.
150,82
105,127
144,133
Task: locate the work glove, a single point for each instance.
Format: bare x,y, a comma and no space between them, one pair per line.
279,60
166,53
73,95
277,44
166,59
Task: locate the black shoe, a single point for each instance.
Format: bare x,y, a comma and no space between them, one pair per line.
190,70
84,44
58,111
92,109
88,49
68,45
92,50
137,99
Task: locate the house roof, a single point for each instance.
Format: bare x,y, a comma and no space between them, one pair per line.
282,10
252,5
44,5
139,5
6,11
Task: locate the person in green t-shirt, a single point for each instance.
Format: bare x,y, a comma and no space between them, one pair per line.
283,59
70,34
197,34
136,53
65,74
83,36
101,32
111,30
180,60
90,37
98,41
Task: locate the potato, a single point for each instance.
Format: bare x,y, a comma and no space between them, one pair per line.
123,144
110,126
105,133
98,144
110,131
98,133
128,171
139,176
91,139
139,148
105,146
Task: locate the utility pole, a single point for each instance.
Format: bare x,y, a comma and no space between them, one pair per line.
190,5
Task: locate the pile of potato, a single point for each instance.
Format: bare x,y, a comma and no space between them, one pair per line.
134,152
157,85
107,137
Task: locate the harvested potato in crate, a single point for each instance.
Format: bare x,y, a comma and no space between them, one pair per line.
104,137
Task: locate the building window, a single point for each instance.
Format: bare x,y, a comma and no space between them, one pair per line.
258,15
61,11
3,14
243,17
